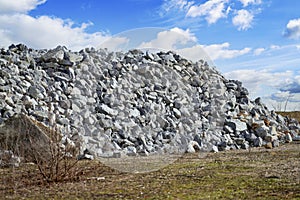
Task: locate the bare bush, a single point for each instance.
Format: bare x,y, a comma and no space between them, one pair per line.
34,142
60,163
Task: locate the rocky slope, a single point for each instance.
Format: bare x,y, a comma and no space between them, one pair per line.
136,103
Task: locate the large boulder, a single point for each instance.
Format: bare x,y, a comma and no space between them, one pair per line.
26,138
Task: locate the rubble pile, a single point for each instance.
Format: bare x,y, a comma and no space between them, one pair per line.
135,102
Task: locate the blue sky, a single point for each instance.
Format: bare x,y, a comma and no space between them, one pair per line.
255,41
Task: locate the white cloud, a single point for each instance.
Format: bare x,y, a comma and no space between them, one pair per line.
292,86
274,47
18,6
46,32
243,19
281,95
274,58
195,53
259,51
264,76
293,29
248,2
283,101
255,80
193,13
176,4
274,87
212,52
115,44
184,42
170,39
16,26
222,51
213,10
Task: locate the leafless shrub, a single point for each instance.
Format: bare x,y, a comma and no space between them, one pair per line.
34,142
59,165
282,106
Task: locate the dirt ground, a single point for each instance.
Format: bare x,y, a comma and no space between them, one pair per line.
257,173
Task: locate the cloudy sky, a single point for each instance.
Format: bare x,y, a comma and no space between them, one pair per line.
255,41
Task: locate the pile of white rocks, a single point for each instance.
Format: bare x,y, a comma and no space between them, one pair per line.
135,102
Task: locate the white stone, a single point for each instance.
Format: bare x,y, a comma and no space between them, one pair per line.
177,113
108,110
237,125
193,147
288,137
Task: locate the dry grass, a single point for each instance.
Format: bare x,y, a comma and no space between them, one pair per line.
294,114
255,174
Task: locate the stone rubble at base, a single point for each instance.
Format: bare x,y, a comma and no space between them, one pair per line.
136,103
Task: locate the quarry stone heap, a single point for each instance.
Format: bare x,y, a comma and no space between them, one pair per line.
135,102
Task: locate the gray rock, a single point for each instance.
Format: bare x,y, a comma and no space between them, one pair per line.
280,119
8,113
273,131
177,113
65,104
5,88
9,101
131,151
193,147
258,142
195,81
54,55
34,92
231,85
2,82
229,129
245,145
296,138
40,115
85,156
74,58
107,110
262,131
66,62
63,121
198,139
237,125
240,141
215,149
228,139
288,138
275,143
270,138
134,113
258,101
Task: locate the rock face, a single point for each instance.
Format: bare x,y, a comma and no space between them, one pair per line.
135,103
24,137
